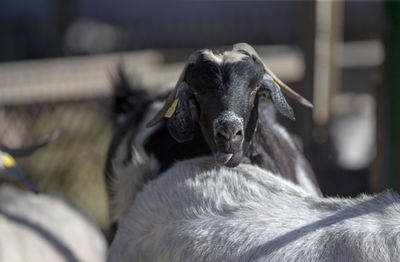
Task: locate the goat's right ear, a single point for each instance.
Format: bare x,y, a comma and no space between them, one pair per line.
181,123
285,89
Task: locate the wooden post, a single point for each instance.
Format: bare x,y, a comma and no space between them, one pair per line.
327,73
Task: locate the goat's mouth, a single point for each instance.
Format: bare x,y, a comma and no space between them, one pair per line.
223,158
228,154
228,159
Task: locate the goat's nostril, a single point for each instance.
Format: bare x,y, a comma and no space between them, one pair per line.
238,133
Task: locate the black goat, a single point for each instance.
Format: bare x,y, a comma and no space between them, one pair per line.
221,105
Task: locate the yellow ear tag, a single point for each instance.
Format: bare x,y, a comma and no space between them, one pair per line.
276,83
9,161
171,109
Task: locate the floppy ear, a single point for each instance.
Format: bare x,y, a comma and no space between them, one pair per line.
170,104
271,89
181,123
285,89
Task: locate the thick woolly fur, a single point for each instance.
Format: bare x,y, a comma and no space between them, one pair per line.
200,211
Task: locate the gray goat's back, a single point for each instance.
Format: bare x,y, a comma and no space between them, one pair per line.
198,211
39,227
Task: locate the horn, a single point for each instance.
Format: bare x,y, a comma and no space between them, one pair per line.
171,98
27,150
285,88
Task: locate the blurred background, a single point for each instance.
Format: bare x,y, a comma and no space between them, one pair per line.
57,59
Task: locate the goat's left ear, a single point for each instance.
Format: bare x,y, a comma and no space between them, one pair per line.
181,123
272,90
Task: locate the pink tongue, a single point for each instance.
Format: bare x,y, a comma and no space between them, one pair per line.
222,158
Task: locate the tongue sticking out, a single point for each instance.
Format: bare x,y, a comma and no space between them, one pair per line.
222,158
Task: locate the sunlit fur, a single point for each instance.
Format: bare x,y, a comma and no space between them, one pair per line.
225,57
199,211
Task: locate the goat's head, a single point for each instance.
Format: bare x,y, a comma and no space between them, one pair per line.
221,91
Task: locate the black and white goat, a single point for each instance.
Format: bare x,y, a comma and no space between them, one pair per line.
201,211
222,105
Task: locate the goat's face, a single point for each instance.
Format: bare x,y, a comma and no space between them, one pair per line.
223,88
221,91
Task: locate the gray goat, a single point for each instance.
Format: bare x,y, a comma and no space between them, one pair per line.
201,211
40,227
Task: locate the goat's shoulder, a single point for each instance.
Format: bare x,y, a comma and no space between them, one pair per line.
182,191
198,190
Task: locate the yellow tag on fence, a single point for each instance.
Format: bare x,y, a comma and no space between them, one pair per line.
171,109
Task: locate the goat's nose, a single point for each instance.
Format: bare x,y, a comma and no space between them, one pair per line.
233,132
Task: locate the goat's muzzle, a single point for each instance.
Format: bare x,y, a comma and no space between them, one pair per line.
228,137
